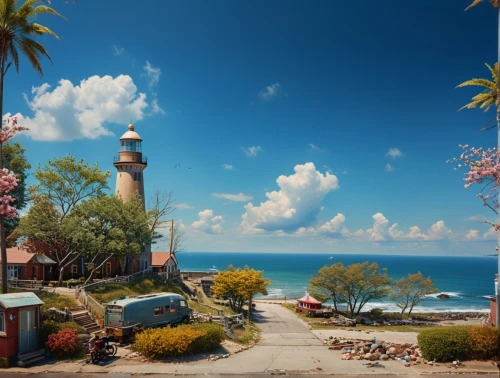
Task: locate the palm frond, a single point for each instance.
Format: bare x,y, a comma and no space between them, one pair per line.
31,53
38,47
14,55
495,3
38,30
494,72
479,83
43,9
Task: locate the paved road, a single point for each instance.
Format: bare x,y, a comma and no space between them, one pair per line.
287,347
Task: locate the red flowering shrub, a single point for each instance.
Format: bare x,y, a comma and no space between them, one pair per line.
63,343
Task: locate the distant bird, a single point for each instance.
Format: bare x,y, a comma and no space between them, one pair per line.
177,165
189,168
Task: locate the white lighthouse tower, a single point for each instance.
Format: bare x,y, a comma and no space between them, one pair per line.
130,164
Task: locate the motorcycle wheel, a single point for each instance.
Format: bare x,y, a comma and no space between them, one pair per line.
112,349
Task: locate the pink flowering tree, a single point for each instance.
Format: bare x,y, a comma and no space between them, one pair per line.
8,180
482,168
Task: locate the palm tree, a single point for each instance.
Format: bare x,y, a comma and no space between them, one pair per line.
17,28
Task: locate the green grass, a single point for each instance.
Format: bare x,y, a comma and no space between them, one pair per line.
112,291
250,333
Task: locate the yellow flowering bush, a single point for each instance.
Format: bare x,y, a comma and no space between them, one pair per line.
165,342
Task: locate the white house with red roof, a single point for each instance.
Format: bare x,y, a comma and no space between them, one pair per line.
165,262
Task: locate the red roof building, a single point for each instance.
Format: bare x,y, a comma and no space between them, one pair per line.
164,262
23,265
308,304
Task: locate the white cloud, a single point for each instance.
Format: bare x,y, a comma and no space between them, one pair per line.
153,74
240,197
389,168
472,235
155,108
334,225
252,151
295,205
270,92
70,112
491,234
313,147
183,206
227,167
117,50
438,231
394,153
478,218
208,223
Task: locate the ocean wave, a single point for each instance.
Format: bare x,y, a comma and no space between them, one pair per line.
391,307
486,296
273,291
450,294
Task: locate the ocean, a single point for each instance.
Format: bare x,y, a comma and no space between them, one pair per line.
469,281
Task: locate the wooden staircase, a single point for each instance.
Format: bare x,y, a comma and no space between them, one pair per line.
81,317
27,359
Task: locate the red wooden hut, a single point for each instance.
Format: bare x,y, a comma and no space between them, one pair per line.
19,325
308,304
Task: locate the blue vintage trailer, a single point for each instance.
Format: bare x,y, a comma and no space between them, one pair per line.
124,316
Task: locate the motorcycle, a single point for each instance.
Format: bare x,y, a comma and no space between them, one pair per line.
94,347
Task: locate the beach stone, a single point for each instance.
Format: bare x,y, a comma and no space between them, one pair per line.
413,358
368,356
382,350
384,357
366,349
391,350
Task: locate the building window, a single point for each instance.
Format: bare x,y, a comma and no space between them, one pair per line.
108,268
138,176
135,176
12,271
159,311
74,269
2,322
33,272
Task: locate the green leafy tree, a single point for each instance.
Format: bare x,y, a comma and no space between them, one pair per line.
326,285
46,230
115,229
63,183
15,161
239,286
409,292
17,29
66,182
356,284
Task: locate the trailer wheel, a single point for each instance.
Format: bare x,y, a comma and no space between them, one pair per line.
185,320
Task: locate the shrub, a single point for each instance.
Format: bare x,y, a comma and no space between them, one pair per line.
165,342
210,340
458,342
49,327
54,300
483,342
63,343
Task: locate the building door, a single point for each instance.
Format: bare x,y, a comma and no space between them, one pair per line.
28,334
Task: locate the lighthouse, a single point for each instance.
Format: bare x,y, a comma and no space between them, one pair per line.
131,163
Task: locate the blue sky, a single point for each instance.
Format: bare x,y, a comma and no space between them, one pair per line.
308,126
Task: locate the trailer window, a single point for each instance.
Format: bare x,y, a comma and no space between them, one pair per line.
159,311
167,308
113,308
182,303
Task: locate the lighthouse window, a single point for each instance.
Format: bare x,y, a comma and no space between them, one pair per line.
135,176
138,176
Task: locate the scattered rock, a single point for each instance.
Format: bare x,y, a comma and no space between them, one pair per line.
443,296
